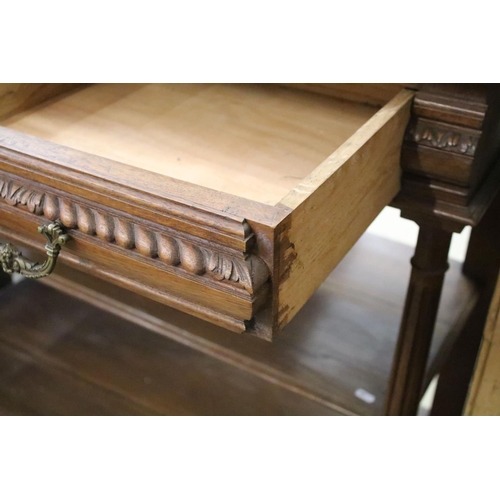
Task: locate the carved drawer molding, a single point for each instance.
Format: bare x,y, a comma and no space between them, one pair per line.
249,272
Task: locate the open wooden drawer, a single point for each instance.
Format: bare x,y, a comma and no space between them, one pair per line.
229,202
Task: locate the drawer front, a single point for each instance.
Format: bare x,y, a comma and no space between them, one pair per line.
217,279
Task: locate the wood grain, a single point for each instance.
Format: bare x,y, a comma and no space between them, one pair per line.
92,363
218,305
172,249
461,104
154,197
451,205
39,388
429,265
377,94
484,393
17,97
252,141
482,265
335,204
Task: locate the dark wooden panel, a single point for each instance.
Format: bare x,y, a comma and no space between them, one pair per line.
12,408
429,265
449,156
432,164
460,104
421,199
67,357
482,264
42,389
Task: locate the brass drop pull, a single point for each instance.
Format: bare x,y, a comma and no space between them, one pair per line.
13,262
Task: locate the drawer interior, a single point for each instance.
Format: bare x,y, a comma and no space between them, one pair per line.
252,141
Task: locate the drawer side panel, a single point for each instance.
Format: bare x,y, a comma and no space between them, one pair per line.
333,206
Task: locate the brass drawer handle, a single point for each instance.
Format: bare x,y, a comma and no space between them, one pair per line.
13,261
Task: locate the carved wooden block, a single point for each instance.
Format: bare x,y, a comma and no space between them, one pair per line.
449,155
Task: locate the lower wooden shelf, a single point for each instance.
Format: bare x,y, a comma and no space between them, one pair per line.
61,355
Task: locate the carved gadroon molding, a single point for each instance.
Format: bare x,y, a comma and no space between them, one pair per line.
250,272
440,137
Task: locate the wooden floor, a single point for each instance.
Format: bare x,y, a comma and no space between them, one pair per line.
62,356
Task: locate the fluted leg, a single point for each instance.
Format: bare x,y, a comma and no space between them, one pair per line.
429,266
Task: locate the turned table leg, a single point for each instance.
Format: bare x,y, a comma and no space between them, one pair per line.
429,266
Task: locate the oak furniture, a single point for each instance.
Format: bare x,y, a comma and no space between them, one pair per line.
484,394
482,265
233,203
